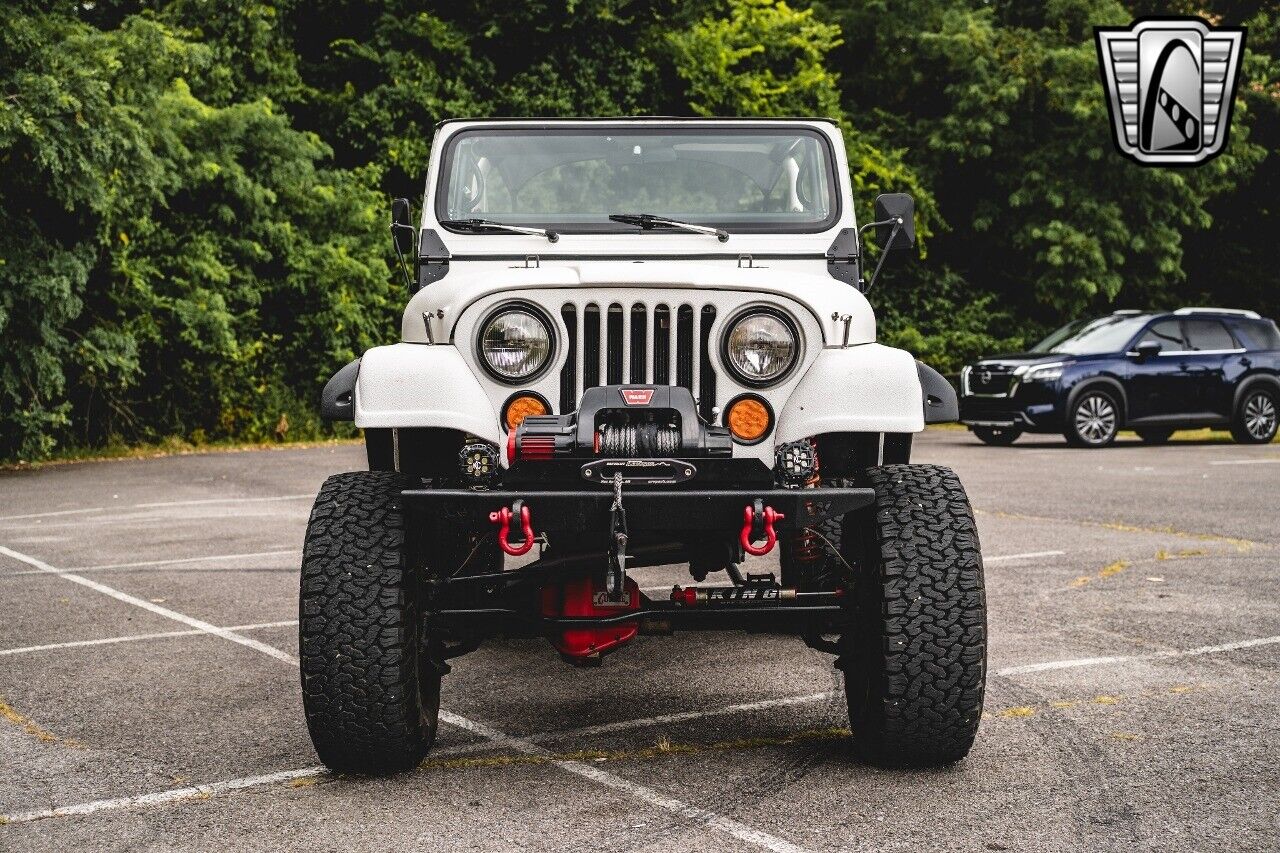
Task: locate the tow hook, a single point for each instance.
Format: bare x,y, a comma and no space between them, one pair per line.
503,517
758,523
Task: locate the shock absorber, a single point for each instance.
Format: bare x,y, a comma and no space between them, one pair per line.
797,466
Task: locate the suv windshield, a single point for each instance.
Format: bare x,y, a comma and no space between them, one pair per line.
1083,337
571,179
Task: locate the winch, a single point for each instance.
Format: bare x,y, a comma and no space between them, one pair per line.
622,421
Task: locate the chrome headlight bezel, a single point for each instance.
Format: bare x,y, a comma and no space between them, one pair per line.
532,311
748,313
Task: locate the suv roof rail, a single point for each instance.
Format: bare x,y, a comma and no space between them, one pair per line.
1238,312
1125,312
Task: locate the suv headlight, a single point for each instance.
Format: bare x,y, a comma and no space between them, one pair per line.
1044,373
515,343
760,347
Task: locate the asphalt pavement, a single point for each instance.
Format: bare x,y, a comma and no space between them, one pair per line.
149,689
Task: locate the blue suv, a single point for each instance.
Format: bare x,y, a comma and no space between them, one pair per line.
1149,372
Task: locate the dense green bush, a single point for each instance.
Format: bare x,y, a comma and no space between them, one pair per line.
193,193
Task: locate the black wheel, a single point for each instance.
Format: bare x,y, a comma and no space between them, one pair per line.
370,691
997,436
1154,436
1093,420
914,656
1255,417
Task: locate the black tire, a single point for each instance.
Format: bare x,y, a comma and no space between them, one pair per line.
1153,435
370,692
915,655
1254,420
997,436
1093,419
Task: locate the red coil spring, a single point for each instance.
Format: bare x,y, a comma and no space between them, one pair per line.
806,547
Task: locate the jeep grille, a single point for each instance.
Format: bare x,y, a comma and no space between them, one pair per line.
634,344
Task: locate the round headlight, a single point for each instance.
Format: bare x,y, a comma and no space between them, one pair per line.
515,344
760,348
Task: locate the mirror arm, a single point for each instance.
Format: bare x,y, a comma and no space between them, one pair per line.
404,265
884,250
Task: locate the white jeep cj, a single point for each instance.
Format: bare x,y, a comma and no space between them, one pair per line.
630,343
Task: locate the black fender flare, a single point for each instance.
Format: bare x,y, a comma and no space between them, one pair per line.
1252,379
337,400
938,397
1109,383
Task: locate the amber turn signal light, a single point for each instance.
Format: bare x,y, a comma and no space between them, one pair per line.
520,406
749,418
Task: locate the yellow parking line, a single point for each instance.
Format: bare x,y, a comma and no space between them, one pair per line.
1024,711
661,748
28,726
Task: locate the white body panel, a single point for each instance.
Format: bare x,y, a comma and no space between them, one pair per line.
868,388
407,385
843,381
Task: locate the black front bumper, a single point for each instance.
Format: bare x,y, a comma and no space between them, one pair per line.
674,510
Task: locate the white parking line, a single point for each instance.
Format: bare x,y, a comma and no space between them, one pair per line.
729,826
50,514
1270,461
203,501
493,738
155,505
601,777
133,638
198,624
644,722
1114,659
1027,556
173,796
217,557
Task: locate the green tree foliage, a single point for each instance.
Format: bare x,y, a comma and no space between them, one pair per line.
169,266
193,192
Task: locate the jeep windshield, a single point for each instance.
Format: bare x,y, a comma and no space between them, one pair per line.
1087,337
570,179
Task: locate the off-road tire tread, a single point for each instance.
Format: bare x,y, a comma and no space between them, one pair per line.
369,705
915,659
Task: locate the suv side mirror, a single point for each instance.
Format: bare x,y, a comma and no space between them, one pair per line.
1147,349
402,230
891,207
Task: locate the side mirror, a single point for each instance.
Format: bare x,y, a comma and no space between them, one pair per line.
1147,349
891,207
402,230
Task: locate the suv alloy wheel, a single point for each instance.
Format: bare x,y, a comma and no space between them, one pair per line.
1255,420
1093,421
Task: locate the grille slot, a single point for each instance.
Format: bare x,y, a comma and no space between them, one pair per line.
638,343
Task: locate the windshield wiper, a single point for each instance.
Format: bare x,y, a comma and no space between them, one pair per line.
489,224
648,221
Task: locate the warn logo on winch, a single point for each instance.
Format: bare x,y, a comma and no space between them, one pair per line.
637,396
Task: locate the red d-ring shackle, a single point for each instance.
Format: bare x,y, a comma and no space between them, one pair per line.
502,518
770,515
